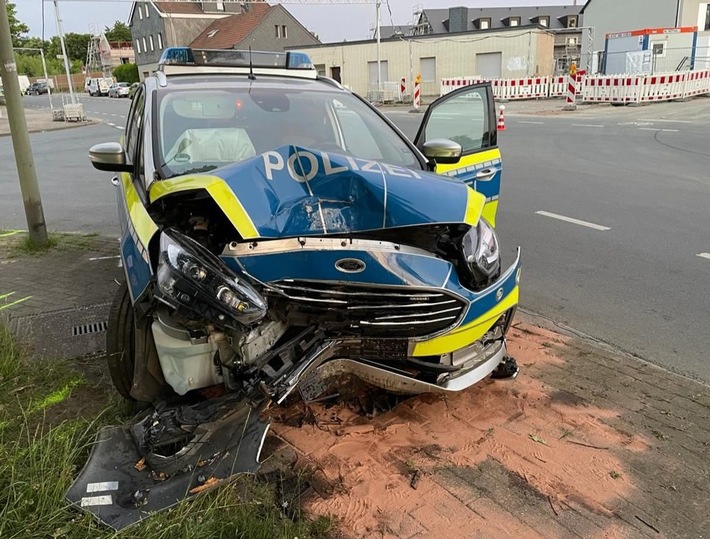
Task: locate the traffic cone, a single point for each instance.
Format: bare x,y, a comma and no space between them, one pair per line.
501,119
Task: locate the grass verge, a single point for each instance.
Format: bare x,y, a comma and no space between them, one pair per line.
49,415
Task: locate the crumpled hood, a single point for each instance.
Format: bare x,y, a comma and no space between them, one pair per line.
294,191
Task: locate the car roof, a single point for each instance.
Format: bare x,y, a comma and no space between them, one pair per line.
220,81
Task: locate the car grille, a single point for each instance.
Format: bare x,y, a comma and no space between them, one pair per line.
373,311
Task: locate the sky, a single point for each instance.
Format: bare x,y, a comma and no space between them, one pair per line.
332,23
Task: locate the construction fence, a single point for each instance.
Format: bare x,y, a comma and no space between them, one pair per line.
621,89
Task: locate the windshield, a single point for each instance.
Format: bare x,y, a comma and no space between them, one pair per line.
206,129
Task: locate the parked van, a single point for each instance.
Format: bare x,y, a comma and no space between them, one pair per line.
99,86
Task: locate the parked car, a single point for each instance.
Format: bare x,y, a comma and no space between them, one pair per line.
132,89
99,86
279,232
37,88
119,89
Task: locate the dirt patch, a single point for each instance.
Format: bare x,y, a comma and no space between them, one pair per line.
549,455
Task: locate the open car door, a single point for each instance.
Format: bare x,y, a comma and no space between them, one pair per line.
467,116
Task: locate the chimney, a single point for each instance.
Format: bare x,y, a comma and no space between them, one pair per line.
458,19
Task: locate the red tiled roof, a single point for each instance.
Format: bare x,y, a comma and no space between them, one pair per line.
231,30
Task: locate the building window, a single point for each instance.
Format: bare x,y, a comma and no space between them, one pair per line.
220,6
138,46
152,46
277,31
140,12
484,24
544,21
572,22
514,21
145,46
147,11
707,18
659,49
160,41
284,31
427,68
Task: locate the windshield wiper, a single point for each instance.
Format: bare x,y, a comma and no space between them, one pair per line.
204,168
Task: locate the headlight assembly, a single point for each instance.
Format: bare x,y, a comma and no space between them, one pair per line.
191,276
481,252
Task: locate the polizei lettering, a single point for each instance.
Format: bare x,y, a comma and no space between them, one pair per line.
304,165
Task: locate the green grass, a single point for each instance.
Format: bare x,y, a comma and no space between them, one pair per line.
49,415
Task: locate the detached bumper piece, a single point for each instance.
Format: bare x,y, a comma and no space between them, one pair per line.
156,463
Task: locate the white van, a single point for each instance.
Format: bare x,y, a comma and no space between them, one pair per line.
99,86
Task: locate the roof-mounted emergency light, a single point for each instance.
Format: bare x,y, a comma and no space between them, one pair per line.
185,56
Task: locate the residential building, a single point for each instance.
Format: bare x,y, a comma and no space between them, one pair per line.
157,25
613,16
263,27
503,53
121,52
563,21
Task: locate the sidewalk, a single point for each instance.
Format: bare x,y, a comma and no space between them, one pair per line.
39,120
586,442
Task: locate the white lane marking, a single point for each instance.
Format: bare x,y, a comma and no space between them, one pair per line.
118,126
669,121
704,255
91,501
586,125
93,259
111,124
658,129
114,114
100,487
572,220
532,123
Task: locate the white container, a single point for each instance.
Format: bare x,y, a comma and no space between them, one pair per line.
186,366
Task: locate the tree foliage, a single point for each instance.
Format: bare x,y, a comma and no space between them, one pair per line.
126,73
17,28
119,32
77,46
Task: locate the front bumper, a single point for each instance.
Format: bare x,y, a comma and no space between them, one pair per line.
401,381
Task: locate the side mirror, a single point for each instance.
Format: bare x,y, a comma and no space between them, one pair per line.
109,156
444,151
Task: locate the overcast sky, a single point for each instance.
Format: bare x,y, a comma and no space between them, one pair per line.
330,22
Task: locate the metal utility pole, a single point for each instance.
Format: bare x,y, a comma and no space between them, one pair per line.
20,137
64,52
379,61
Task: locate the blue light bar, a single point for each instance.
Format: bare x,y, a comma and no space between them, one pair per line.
185,56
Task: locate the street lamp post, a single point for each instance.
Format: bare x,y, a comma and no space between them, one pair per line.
64,52
20,136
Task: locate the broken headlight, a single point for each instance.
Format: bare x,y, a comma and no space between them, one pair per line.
482,252
191,276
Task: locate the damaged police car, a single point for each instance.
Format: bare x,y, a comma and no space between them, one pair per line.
278,231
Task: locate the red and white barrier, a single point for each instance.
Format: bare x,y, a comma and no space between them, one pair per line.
626,89
417,96
402,89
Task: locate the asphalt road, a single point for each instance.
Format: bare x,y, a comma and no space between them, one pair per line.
610,207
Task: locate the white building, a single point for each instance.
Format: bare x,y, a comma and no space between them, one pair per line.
501,53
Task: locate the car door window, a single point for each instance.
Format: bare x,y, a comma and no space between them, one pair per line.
133,126
463,118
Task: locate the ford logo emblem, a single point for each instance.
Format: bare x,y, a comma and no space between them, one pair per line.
350,265
499,294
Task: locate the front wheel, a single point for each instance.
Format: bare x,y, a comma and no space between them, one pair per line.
130,350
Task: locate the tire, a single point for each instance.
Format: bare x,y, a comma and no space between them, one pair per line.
121,342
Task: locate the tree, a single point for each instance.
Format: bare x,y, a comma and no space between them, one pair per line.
17,28
126,73
119,32
77,46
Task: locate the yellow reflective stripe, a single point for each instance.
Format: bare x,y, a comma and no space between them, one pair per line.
469,160
468,334
138,215
474,207
489,212
219,191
